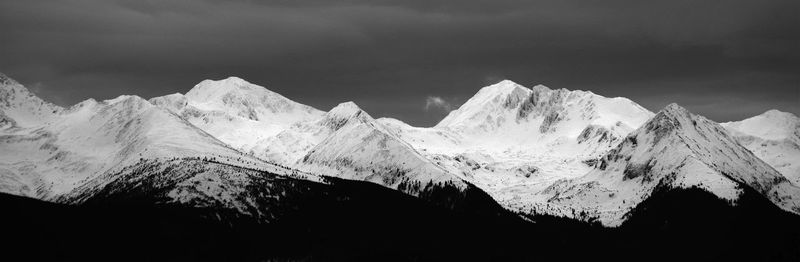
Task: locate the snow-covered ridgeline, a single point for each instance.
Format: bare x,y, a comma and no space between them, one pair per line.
773,136
674,149
56,150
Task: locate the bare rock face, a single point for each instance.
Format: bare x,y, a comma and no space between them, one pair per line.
597,133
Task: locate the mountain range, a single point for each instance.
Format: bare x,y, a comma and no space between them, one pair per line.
238,150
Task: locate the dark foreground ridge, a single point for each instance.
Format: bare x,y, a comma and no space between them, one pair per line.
351,220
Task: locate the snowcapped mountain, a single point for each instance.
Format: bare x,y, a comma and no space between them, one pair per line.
538,150
517,118
343,142
121,145
674,149
510,140
290,145
170,152
236,112
361,148
773,136
20,108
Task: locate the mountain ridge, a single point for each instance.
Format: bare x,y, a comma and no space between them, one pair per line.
674,149
527,148
773,136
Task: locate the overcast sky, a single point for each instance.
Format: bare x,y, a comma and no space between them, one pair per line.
413,59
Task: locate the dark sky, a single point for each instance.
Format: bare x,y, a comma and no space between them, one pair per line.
725,59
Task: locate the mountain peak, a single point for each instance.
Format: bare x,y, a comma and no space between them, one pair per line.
238,97
674,107
345,108
23,106
674,149
509,104
674,111
217,89
771,125
506,82
5,80
125,98
8,84
489,101
343,114
502,87
777,114
669,120
236,80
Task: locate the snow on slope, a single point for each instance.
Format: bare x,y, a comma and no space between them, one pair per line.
196,182
295,135
21,108
510,140
290,145
72,146
360,148
509,117
773,136
771,125
236,112
673,149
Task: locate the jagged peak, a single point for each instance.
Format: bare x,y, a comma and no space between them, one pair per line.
674,111
174,102
343,114
8,84
15,95
674,107
668,122
675,134
5,80
345,108
505,93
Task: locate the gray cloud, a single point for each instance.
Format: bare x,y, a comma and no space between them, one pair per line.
432,102
723,59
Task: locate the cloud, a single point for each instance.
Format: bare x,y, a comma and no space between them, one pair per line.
433,102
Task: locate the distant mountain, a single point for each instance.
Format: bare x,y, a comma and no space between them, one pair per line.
237,112
674,149
233,171
360,148
344,142
170,153
120,148
289,146
20,108
773,136
507,116
512,141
